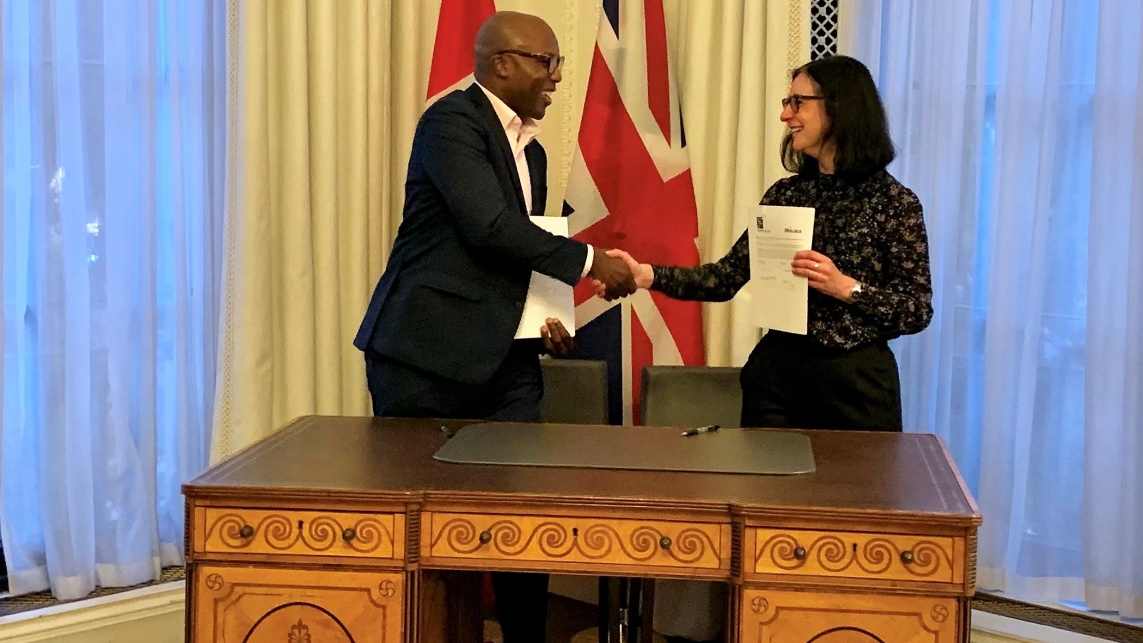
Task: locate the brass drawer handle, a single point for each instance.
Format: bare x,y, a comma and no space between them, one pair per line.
665,542
485,537
800,553
246,531
349,534
906,557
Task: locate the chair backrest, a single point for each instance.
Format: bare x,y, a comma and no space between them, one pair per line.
691,396
575,391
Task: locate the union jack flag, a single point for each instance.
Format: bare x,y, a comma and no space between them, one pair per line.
630,187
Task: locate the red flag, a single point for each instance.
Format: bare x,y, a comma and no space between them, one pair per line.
457,25
630,187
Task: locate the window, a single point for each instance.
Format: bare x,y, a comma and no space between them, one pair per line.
113,179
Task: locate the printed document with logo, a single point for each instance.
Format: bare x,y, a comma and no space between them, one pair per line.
781,298
547,297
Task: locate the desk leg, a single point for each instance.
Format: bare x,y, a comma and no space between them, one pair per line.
646,598
612,599
603,610
733,613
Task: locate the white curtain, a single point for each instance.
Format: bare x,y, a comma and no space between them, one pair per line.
113,148
734,61
1018,123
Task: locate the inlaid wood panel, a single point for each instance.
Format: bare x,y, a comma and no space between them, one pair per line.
282,605
315,533
858,555
825,617
563,539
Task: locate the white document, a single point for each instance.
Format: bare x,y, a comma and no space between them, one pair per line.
781,298
547,297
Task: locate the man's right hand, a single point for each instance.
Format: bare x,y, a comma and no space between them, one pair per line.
613,273
643,272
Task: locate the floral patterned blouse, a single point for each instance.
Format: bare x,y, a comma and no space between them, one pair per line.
872,229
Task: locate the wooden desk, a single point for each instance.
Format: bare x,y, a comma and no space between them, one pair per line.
327,528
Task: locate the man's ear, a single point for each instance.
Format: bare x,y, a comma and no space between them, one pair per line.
501,66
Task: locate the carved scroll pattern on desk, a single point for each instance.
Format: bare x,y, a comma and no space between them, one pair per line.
879,554
301,533
854,555
623,542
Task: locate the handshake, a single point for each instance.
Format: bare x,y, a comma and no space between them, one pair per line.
615,274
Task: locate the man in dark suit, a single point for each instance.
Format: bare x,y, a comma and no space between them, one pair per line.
439,334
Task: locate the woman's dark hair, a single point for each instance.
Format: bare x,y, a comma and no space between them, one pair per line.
856,119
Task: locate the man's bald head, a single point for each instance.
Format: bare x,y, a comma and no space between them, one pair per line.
509,30
517,58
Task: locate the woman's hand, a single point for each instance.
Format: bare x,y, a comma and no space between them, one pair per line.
643,273
822,274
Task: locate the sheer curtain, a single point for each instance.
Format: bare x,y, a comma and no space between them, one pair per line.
113,147
1018,124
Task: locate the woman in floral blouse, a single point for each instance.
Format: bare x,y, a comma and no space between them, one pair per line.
868,271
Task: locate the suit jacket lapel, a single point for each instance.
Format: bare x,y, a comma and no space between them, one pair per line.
537,171
499,142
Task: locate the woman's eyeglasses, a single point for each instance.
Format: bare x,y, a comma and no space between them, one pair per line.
552,61
794,101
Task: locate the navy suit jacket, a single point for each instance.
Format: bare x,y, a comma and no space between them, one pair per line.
452,293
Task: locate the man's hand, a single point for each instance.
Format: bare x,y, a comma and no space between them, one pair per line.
558,342
643,273
613,273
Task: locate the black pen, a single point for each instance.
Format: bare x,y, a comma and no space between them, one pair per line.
702,429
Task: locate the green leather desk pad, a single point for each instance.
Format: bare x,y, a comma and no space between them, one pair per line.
749,451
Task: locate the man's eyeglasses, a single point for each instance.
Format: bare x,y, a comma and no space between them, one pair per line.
552,61
794,101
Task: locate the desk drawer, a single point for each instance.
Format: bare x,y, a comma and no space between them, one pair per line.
313,533
937,559
577,540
